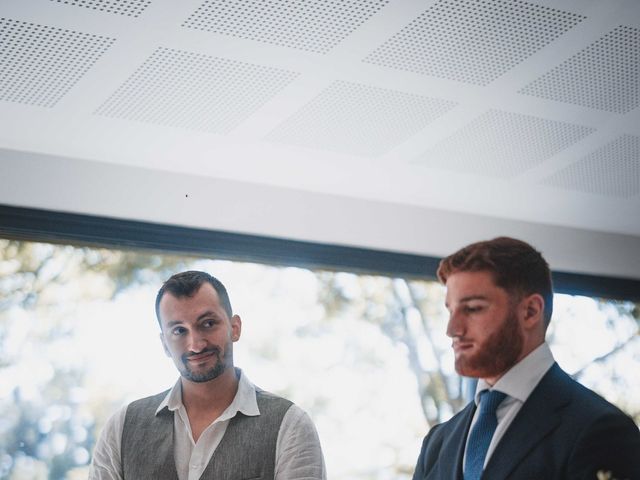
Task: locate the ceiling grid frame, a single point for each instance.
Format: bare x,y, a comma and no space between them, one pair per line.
379,165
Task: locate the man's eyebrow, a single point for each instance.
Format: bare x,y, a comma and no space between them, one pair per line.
473,297
469,298
208,314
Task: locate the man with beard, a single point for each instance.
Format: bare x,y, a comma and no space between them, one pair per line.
214,423
529,419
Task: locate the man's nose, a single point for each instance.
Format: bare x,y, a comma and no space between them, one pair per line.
196,342
455,326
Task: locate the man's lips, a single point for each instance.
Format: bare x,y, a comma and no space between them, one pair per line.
199,357
459,347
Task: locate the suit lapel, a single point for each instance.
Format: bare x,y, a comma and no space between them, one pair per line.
540,415
450,457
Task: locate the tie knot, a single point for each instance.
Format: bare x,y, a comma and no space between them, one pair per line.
490,399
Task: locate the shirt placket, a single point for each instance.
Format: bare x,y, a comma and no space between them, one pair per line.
200,452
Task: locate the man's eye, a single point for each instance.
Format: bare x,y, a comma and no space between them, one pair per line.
179,331
473,309
208,323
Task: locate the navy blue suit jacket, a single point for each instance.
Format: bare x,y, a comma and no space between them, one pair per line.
563,431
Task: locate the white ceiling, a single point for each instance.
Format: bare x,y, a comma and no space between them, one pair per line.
514,117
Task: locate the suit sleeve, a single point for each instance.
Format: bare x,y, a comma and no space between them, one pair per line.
611,444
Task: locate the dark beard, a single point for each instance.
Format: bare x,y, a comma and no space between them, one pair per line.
497,354
217,370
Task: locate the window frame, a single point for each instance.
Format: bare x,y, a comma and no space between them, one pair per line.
39,225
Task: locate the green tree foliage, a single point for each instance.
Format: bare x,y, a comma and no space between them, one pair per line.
46,426
612,371
48,423
411,313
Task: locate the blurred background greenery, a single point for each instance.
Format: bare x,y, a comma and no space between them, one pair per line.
365,355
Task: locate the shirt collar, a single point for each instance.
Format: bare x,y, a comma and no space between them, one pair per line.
244,401
520,380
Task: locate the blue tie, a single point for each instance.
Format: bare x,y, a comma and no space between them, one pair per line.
481,433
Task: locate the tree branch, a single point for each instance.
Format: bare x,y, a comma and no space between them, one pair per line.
602,358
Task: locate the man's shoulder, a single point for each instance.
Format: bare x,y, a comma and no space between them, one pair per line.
268,395
592,403
585,403
157,398
271,402
151,402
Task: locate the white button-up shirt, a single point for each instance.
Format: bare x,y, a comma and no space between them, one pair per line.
298,452
517,383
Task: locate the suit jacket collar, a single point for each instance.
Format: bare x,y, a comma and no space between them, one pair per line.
539,416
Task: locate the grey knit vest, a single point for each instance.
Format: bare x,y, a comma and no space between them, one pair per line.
247,450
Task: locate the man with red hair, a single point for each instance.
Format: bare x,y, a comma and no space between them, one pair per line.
529,419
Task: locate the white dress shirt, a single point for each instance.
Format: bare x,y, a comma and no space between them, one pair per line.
517,383
298,452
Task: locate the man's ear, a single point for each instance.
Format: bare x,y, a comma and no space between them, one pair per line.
236,328
164,345
532,310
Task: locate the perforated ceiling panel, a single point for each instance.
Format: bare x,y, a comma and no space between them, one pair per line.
316,26
473,42
359,119
40,64
605,75
194,91
131,8
503,144
613,170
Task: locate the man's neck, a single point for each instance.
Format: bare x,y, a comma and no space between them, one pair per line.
529,346
213,396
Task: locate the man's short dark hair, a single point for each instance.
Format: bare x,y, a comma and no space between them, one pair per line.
187,284
515,266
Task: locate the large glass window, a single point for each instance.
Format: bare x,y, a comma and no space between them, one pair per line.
365,355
